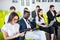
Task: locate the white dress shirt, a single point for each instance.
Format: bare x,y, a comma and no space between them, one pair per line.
28,25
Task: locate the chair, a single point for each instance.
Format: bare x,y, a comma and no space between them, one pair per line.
2,18
1,36
58,19
19,14
6,12
45,18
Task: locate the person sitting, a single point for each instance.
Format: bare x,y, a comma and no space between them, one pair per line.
11,29
12,9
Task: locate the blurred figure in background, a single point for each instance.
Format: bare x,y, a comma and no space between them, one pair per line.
33,15
12,9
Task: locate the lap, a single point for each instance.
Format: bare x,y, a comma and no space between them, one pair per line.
37,34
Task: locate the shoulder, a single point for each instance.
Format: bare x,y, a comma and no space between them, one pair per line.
20,21
48,11
55,11
7,15
33,11
5,27
17,25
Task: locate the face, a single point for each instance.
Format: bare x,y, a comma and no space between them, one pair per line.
15,19
52,8
12,10
27,15
37,8
40,13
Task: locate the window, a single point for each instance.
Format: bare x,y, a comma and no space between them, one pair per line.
14,1
57,0
28,2
44,0
38,0
22,2
33,1
50,0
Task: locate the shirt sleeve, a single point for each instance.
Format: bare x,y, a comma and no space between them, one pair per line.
4,28
37,22
18,26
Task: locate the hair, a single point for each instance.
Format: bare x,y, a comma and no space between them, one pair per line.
26,11
38,6
51,6
12,7
12,15
38,13
25,8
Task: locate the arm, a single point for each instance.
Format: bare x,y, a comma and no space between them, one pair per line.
40,24
6,37
58,14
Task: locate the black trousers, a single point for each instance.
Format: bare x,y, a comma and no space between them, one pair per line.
55,25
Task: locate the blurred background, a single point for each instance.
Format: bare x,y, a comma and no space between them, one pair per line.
21,4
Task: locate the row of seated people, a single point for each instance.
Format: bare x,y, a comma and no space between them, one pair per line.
37,18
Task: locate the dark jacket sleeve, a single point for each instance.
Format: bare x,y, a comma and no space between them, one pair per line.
21,29
49,15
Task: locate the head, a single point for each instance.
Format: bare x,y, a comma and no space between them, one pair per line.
25,9
13,18
40,12
26,14
12,9
37,7
52,7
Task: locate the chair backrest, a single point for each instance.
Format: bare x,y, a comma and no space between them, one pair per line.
45,18
6,12
2,18
1,36
19,14
58,19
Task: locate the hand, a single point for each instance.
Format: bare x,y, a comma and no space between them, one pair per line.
43,25
20,34
28,29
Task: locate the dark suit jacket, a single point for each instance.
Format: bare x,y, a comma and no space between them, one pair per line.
23,25
33,14
50,16
33,21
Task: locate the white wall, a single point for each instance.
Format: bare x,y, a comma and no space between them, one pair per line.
5,5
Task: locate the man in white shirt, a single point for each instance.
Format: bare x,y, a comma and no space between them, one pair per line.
12,9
